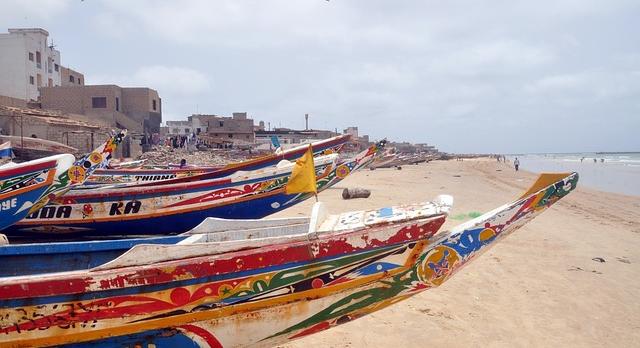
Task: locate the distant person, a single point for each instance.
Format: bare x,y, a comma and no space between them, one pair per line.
582,159
516,163
602,160
183,163
595,160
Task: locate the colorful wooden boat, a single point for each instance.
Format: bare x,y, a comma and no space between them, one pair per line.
117,176
177,207
26,187
22,185
233,291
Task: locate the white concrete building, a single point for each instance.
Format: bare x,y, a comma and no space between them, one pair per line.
179,127
27,62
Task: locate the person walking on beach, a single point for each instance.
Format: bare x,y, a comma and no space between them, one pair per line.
516,163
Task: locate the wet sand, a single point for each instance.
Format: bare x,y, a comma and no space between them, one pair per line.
538,287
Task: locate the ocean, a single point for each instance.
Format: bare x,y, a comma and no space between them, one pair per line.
619,172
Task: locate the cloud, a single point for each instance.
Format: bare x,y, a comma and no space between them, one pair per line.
20,13
424,71
167,80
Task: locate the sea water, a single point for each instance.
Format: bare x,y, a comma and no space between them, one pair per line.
611,172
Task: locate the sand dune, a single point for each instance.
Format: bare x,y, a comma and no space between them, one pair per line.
539,287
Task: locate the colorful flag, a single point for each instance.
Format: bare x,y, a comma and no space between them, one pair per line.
303,175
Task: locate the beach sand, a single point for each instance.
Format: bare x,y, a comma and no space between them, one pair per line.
538,287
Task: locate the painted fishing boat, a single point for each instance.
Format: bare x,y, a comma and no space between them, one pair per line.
116,176
27,187
259,286
175,208
388,160
29,148
22,185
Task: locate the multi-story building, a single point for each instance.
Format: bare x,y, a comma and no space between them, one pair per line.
27,62
137,109
179,127
237,129
70,77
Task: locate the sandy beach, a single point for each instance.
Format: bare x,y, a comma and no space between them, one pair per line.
539,287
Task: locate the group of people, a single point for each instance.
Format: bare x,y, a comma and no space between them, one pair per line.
595,160
182,141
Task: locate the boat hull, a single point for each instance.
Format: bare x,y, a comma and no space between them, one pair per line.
337,285
22,185
173,209
119,176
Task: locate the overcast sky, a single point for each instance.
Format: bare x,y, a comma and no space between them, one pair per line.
468,76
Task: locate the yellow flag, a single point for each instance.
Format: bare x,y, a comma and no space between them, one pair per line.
303,175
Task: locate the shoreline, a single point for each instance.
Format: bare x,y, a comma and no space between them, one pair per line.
538,287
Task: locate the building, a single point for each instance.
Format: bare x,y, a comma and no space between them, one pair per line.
27,62
70,77
179,128
137,109
72,130
353,131
237,129
293,137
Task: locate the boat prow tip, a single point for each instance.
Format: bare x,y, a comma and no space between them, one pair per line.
545,180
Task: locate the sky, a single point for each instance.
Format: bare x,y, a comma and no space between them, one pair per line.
502,76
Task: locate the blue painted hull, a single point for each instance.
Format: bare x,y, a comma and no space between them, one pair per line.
256,208
27,259
12,215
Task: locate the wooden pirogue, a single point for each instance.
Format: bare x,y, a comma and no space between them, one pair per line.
25,187
178,206
259,286
117,176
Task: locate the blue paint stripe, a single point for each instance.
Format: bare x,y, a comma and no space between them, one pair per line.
44,249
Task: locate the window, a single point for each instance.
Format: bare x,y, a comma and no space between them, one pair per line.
57,67
31,56
38,59
32,80
153,104
79,81
198,130
72,79
117,104
99,102
186,130
230,135
221,124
